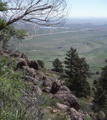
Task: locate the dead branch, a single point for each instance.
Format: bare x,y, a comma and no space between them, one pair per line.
40,12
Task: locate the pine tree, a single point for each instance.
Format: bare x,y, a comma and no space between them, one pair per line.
103,78
41,63
71,63
77,71
100,97
57,66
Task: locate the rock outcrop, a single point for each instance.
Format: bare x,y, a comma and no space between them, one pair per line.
55,87
68,98
101,115
47,89
20,63
46,83
33,64
42,82
62,106
28,70
74,115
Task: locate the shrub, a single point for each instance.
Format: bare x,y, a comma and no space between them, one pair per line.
85,106
41,63
16,99
43,101
60,117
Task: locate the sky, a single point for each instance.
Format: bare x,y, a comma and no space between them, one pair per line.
87,8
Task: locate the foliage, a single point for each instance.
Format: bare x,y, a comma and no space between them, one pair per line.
71,62
11,33
87,118
3,6
100,96
57,116
103,78
77,72
3,9
2,23
43,101
48,13
41,63
85,107
60,117
16,98
8,32
57,66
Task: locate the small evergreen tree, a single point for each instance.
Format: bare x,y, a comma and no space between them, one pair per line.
83,68
71,63
77,71
103,78
41,63
100,97
57,66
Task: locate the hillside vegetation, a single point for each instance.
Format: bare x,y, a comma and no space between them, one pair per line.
29,91
70,90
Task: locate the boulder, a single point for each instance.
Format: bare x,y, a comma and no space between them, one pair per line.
1,52
37,89
5,55
52,78
24,56
33,64
101,115
46,83
68,98
47,89
5,51
15,54
62,106
55,87
21,63
74,115
44,77
55,111
64,88
30,71
30,79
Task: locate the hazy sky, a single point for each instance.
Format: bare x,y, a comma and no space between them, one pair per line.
87,8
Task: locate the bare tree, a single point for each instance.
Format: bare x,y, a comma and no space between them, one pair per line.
40,12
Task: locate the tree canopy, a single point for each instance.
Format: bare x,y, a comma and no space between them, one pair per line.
40,12
100,97
77,71
57,66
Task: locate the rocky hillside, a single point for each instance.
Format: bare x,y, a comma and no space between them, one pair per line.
55,100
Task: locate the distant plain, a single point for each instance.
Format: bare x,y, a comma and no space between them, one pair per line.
89,37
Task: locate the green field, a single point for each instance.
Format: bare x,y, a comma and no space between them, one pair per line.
89,39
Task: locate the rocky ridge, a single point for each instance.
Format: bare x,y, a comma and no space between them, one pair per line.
37,79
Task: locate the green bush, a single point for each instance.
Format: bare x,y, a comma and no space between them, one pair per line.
85,107
60,117
41,63
16,98
45,100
